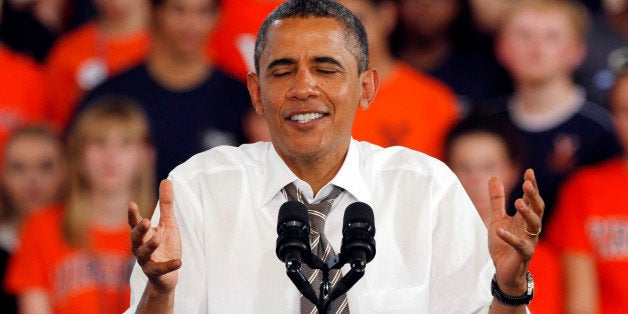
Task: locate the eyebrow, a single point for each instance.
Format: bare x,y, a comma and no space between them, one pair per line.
282,61
291,61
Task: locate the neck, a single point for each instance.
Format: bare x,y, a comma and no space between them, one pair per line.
317,172
177,72
544,97
108,210
427,54
123,25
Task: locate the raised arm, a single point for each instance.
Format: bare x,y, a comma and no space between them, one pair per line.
512,240
158,252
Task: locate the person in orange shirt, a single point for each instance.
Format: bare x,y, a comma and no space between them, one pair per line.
116,40
478,148
591,224
230,46
411,109
75,257
23,92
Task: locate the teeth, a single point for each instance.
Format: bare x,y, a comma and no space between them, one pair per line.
306,117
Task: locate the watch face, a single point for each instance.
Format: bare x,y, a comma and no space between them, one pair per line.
530,290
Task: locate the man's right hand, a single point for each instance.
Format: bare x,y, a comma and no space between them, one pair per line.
158,250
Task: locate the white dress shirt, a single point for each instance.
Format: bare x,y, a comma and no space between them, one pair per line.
432,253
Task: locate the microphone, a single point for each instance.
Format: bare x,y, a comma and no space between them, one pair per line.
358,234
358,247
293,245
293,230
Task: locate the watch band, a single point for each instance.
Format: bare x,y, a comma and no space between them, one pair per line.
516,300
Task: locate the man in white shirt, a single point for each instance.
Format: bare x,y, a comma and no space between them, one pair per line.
212,247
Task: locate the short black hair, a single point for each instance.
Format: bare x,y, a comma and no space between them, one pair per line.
355,34
495,125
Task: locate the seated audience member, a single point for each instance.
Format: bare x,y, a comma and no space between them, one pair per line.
115,40
75,257
191,106
436,36
541,43
591,223
212,247
32,175
478,148
23,92
608,42
411,109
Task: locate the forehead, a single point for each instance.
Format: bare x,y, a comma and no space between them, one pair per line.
540,19
305,38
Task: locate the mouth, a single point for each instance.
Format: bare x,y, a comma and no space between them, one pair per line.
306,117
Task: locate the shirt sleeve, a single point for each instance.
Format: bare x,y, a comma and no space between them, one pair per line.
461,267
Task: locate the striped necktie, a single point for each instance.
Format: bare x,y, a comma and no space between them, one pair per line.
320,246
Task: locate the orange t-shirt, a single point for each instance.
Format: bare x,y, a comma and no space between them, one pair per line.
82,59
410,109
548,280
93,280
592,217
23,92
232,43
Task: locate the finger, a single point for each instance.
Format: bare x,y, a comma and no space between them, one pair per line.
154,270
144,251
530,176
523,247
532,220
166,204
498,198
138,233
533,198
134,215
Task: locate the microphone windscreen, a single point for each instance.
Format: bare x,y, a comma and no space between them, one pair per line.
359,212
292,211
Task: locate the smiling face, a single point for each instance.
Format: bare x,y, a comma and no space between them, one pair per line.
308,88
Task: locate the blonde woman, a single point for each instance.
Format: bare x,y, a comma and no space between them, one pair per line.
76,258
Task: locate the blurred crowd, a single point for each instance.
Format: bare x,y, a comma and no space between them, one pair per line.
101,99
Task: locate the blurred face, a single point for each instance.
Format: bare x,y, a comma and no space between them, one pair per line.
113,8
536,46
111,163
475,158
428,18
183,26
309,88
619,106
33,173
378,21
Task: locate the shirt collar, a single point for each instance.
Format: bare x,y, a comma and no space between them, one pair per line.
276,175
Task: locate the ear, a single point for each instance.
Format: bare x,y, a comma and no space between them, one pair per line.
252,84
370,82
577,55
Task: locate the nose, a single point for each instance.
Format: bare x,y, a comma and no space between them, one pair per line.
304,86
